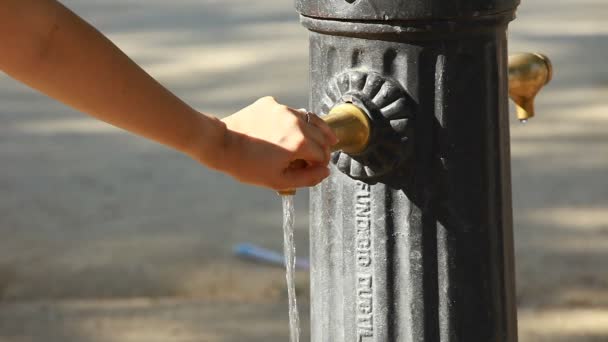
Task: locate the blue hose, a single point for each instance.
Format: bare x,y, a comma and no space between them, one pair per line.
253,252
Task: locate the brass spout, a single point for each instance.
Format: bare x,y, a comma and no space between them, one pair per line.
351,125
528,73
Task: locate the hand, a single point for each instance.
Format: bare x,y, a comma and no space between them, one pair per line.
265,137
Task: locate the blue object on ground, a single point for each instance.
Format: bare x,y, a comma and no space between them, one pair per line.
253,252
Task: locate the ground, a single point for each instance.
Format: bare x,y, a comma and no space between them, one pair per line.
107,237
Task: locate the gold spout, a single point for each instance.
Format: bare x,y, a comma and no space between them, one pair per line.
528,73
351,125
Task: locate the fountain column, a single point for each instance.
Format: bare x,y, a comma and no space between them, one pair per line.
411,239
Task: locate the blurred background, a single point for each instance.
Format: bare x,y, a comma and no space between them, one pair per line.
107,237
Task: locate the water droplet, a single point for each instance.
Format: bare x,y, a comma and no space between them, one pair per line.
523,121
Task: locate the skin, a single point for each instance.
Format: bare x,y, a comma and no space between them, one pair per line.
46,46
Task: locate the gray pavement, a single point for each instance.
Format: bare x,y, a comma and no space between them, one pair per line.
108,237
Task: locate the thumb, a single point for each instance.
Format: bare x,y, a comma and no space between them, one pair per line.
308,176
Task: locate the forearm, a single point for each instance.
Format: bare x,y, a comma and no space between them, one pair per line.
48,47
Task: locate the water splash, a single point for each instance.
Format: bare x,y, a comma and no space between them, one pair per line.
290,263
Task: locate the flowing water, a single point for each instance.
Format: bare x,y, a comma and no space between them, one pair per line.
290,263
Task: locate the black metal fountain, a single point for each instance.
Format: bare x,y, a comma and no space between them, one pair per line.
411,235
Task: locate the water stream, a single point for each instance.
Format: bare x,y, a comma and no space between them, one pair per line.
290,263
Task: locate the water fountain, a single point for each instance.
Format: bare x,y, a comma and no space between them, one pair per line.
411,235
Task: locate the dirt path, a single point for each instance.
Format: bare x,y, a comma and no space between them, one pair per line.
109,238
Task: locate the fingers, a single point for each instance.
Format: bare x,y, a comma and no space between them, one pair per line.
311,131
324,128
312,145
314,120
305,177
312,152
267,138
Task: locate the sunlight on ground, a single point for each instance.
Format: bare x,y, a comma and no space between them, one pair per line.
65,126
564,325
191,59
139,319
576,219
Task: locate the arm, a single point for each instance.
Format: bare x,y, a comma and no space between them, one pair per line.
45,45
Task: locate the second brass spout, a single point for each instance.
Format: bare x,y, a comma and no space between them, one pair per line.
528,73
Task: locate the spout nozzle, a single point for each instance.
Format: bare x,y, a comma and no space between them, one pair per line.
524,108
528,73
350,125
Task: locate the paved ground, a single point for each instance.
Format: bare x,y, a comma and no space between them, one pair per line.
107,237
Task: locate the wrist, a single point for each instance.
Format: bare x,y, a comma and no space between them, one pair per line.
211,142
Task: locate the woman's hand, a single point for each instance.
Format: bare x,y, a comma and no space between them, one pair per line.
265,137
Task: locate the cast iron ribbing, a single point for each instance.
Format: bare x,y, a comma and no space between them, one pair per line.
415,244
